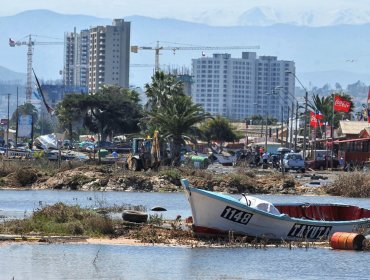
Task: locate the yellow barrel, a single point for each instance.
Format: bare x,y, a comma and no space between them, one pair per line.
347,241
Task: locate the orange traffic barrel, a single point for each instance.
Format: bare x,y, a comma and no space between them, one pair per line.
347,241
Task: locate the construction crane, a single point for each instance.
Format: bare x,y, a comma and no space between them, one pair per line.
158,48
30,43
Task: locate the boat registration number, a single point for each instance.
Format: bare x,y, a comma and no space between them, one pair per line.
236,215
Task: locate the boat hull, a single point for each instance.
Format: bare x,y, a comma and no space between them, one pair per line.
214,213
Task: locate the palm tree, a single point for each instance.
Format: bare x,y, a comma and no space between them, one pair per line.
176,121
163,87
325,106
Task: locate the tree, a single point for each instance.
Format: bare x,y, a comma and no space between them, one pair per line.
43,127
177,121
25,109
112,110
219,129
162,88
69,111
259,119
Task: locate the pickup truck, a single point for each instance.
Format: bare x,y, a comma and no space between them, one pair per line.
293,161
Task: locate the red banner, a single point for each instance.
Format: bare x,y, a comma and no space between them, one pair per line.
341,104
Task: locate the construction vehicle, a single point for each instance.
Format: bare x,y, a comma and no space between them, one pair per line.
158,48
30,43
145,153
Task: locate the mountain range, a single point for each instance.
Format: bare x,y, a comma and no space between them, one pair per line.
323,54
264,16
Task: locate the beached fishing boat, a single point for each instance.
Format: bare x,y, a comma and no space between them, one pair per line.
215,213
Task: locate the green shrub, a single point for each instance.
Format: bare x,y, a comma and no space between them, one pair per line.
61,219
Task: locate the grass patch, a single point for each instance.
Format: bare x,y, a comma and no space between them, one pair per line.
61,219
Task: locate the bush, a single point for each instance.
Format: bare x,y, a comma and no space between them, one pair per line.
352,184
61,219
26,176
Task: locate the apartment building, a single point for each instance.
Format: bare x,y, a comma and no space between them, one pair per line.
76,58
109,55
239,87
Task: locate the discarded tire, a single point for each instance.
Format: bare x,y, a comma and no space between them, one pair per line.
134,216
158,208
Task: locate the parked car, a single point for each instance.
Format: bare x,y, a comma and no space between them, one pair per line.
320,164
293,161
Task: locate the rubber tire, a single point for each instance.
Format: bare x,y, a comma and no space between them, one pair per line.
135,165
286,170
134,216
303,170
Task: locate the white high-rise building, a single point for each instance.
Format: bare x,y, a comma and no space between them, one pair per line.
239,87
76,58
109,57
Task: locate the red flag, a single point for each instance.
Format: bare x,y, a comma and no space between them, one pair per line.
313,119
368,106
319,116
341,104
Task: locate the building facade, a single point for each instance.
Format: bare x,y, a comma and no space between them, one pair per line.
109,55
76,58
240,87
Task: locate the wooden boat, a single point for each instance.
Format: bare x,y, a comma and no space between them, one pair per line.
215,213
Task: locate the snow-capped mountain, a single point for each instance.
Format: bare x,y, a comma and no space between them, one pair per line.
265,16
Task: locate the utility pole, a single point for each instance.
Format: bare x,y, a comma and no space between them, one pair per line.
305,113
7,131
266,132
16,125
282,125
291,127
296,127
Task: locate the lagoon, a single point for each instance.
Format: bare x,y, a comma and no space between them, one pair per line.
92,261
77,261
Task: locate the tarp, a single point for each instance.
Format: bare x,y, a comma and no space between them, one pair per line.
49,141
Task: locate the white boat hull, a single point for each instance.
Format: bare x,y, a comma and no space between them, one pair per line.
215,213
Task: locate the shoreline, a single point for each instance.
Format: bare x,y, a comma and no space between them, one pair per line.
124,241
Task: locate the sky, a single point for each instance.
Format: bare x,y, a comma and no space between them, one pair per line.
213,12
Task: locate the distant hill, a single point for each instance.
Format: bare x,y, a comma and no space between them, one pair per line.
11,77
315,50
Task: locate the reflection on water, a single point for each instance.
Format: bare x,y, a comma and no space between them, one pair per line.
77,261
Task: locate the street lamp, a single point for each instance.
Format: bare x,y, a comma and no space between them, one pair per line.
305,112
258,105
277,90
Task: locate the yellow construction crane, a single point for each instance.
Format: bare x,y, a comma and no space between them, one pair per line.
158,48
30,43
